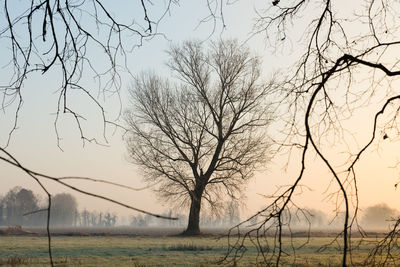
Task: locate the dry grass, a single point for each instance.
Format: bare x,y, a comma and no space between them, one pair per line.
15,260
155,251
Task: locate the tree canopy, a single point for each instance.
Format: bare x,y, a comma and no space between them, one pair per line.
203,136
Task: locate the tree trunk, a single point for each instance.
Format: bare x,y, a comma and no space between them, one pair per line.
193,227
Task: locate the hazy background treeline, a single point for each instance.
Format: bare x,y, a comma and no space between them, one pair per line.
21,206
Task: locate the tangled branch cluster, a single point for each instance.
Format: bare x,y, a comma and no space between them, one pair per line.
322,92
64,38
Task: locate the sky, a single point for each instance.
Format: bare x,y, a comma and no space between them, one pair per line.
35,141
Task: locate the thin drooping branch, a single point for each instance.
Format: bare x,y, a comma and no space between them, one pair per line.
38,178
59,180
318,95
59,38
68,31
275,212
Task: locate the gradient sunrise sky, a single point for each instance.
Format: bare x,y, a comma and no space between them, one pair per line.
35,141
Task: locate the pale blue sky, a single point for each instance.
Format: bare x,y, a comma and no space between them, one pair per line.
34,143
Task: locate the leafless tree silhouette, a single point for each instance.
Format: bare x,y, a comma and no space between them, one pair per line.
203,137
349,65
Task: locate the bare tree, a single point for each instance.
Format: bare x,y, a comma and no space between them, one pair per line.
63,210
347,70
203,136
17,202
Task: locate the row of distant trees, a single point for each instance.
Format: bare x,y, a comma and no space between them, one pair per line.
228,218
95,219
376,217
21,206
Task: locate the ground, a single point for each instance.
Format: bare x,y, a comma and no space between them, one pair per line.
157,247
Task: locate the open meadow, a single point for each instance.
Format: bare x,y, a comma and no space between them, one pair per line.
145,249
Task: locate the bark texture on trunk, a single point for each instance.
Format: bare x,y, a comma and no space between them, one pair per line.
193,227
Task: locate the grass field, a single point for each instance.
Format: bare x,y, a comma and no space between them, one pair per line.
148,251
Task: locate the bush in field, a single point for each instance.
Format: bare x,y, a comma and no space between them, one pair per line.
378,216
189,247
63,210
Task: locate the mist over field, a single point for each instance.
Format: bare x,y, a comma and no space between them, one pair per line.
16,207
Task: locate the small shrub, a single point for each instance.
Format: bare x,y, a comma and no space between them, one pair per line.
136,263
14,260
188,247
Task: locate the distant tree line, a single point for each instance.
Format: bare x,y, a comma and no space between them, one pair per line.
17,202
95,219
227,218
21,206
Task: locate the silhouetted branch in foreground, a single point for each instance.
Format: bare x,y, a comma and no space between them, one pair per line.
322,92
38,176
